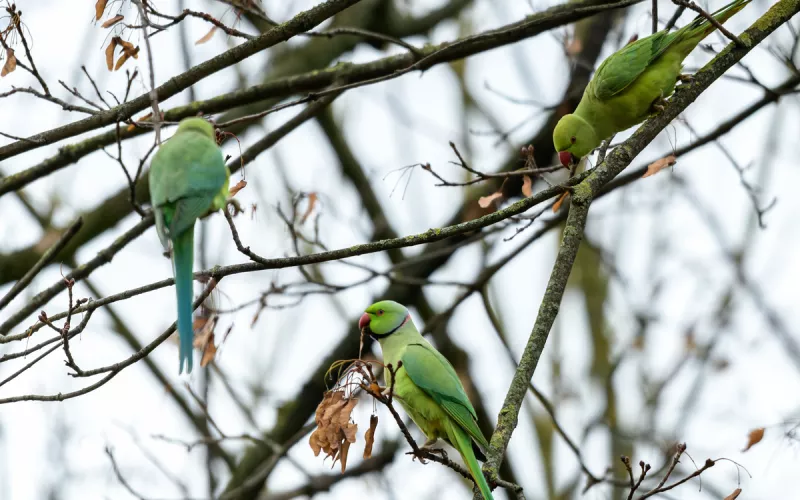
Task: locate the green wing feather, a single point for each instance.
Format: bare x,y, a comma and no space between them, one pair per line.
432,373
185,176
622,68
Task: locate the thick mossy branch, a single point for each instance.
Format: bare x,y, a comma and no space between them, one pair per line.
590,187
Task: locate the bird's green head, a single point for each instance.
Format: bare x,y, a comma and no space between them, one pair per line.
573,138
383,318
196,124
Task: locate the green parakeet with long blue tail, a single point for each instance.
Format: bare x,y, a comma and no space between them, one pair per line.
426,385
630,85
188,178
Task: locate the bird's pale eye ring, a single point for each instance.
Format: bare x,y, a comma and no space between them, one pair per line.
379,313
572,139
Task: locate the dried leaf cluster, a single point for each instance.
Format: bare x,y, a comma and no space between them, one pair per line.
335,432
128,51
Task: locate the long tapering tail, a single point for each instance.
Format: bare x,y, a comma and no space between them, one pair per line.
463,443
700,27
183,263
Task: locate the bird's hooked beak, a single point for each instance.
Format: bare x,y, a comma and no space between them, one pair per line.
566,158
364,321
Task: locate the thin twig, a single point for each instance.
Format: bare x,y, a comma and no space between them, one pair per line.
655,16
722,29
156,117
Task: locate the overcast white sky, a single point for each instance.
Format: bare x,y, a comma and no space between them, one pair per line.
390,125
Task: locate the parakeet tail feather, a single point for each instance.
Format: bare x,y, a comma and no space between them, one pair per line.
463,442
183,262
700,27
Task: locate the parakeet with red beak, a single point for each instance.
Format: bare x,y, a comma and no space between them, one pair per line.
631,85
426,385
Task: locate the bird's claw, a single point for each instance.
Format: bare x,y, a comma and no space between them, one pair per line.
683,78
436,451
415,455
237,207
659,104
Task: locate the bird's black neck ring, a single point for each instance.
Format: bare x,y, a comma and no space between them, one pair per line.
378,336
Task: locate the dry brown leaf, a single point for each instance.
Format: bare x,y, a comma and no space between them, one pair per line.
755,436
527,186
112,45
343,454
369,436
350,431
203,330
11,62
312,201
574,47
99,8
315,443
114,20
344,415
659,165
238,187
734,495
209,352
125,56
126,45
485,201
144,118
336,405
207,36
559,202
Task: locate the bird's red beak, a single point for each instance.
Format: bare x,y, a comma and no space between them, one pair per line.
565,157
364,321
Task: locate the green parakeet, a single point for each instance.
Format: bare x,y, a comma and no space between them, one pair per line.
188,177
630,84
426,385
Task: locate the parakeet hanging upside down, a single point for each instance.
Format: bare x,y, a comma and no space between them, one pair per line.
630,85
426,385
188,177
